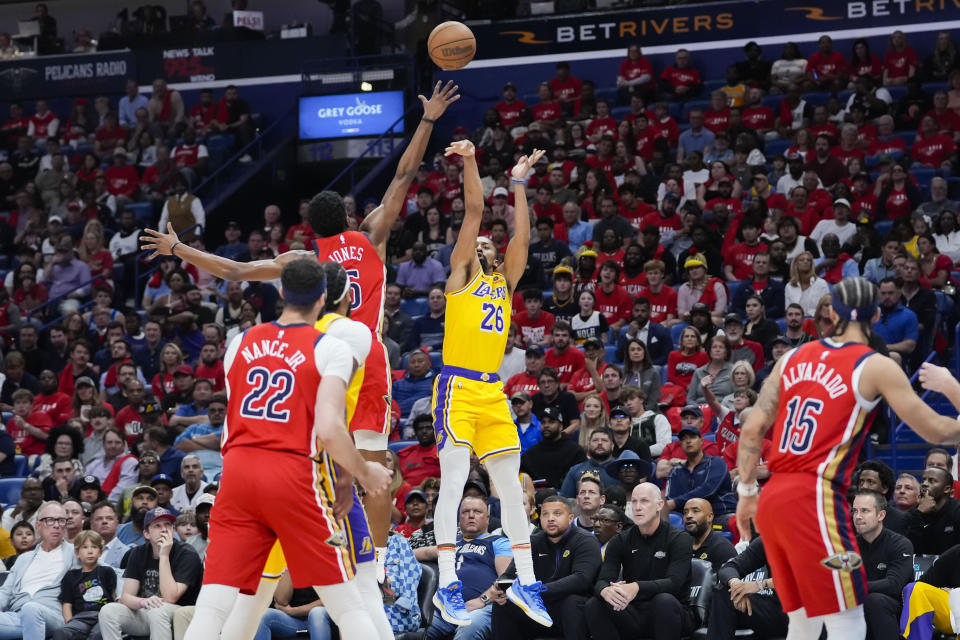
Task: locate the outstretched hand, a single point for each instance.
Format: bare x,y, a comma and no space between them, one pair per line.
442,97
159,242
938,379
461,148
525,164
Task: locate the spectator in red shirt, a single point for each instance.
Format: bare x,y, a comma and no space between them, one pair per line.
663,299
420,461
510,109
933,149
204,113
897,196
757,115
302,232
28,427
548,111
564,358
123,181
566,88
738,263
666,123
647,137
683,362
948,121
109,135
535,325
210,366
526,380
635,77
863,62
415,506
717,117
679,80
57,405
612,300
886,142
603,125
190,157
900,62
849,146
827,69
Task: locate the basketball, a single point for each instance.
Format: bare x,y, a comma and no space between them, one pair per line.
451,45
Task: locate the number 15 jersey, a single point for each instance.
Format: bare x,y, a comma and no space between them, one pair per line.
477,323
273,373
822,420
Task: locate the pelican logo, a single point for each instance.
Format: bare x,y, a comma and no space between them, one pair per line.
16,76
337,540
525,37
814,13
844,561
660,555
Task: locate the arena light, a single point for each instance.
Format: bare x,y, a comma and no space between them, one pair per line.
366,86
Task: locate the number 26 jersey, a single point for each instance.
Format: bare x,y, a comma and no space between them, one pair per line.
822,420
273,373
477,323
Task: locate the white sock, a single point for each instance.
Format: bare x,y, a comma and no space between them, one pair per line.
341,601
454,468
801,627
213,607
505,475
381,564
244,618
372,600
849,624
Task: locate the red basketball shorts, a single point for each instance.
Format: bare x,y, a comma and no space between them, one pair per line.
373,403
810,544
266,495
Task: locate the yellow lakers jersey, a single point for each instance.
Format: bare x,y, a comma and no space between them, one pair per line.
476,325
353,391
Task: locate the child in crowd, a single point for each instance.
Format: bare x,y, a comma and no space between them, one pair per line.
84,591
28,428
23,538
186,525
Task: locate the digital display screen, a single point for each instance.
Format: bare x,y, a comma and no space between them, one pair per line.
350,115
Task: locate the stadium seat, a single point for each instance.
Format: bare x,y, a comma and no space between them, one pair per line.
907,136
425,591
817,97
694,104
608,93
922,562
777,147
21,466
734,288
611,354
924,175
414,306
676,330
702,579
619,113
897,92
144,211
396,445
782,323
883,226
10,490
436,360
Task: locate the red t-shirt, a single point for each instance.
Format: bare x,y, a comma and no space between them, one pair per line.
759,118
674,450
645,141
933,151
521,382
214,374
669,129
666,225
418,463
680,366
162,384
636,215
581,382
26,443
632,70
733,205
897,204
510,113
634,286
58,406
603,126
740,256
549,210
730,452
867,133
860,68
533,331
661,304
867,203
201,116
893,145
898,63
826,65
946,121
845,155
568,89
827,129
547,111
680,77
717,121
122,181
305,229
131,422
571,361
616,305
111,137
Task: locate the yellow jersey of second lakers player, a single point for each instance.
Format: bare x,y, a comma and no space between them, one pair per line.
477,323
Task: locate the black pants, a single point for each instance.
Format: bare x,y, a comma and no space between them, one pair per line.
511,623
662,618
768,619
883,617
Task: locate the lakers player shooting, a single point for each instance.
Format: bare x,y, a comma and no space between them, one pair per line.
470,410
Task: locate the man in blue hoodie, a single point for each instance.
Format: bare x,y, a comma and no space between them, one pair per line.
29,598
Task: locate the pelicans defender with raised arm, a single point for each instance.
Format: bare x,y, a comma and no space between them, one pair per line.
820,399
470,411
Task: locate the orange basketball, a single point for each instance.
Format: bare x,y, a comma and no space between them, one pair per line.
451,45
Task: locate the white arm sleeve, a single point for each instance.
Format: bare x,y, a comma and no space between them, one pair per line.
355,334
661,427
333,358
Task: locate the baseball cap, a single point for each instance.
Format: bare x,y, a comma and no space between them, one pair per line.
700,307
732,318
478,485
183,370
863,175
415,493
205,499
593,342
162,478
55,219
843,202
553,413
670,195
233,224
120,151
157,513
885,158
521,395
84,380
794,156
508,85
562,269
692,408
696,260
619,412
536,350
500,191
89,481
780,340
534,126
144,489
688,429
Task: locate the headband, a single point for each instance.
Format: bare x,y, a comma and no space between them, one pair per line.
857,314
346,285
305,298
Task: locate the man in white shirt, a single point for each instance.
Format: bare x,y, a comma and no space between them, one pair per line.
187,496
840,226
29,598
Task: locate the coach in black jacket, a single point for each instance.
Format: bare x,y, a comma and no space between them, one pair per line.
566,559
745,598
652,596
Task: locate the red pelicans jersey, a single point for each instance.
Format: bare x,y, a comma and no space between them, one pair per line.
822,420
273,373
367,273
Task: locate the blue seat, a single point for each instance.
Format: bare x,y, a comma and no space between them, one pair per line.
907,136
883,226
21,466
607,93
436,360
709,86
924,175
396,445
817,97
694,104
10,490
734,288
619,113
897,92
782,323
611,354
144,211
773,101
415,306
676,330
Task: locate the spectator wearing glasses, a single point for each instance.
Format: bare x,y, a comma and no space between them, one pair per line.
29,599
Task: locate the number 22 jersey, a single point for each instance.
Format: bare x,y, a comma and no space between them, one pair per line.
273,373
822,420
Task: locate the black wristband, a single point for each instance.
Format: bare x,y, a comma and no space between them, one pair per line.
174,246
426,119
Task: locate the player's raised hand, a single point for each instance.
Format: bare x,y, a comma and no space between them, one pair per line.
376,478
159,242
461,148
442,98
525,164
